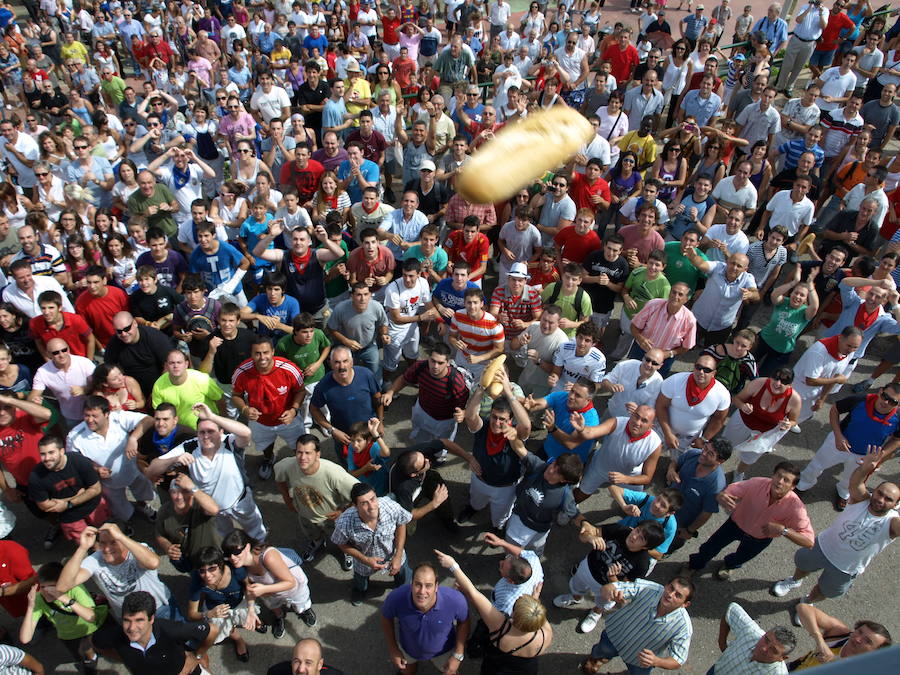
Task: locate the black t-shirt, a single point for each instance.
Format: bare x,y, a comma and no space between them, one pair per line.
641,69
785,181
824,283
500,469
406,489
659,26
434,201
602,297
78,473
634,563
143,360
231,353
165,657
156,306
845,221
306,95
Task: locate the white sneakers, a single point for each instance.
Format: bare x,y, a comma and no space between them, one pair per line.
589,622
795,429
781,588
567,601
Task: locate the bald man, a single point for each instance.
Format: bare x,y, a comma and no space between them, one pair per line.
728,286
140,351
306,659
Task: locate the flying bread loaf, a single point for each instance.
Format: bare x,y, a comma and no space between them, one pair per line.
521,153
493,389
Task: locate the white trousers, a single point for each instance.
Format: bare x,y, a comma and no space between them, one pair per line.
500,499
522,535
826,457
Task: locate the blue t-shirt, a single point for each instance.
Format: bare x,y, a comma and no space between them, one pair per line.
252,231
285,312
449,296
369,170
321,42
347,405
556,402
333,115
216,268
208,597
377,479
644,501
424,636
699,493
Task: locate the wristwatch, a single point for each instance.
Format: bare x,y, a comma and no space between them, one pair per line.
195,489
784,532
459,657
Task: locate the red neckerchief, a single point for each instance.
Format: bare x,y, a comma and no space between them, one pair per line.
494,443
864,319
694,393
831,344
777,397
360,459
634,439
331,201
377,204
300,262
585,408
876,416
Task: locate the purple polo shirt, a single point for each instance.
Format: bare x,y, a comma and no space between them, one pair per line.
424,636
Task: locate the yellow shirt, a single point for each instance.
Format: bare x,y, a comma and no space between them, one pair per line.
75,51
644,148
283,54
360,86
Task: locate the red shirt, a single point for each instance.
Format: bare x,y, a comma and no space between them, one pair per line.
19,447
363,269
404,72
98,312
475,253
831,32
305,180
15,566
389,28
696,78
373,146
160,50
576,247
74,331
622,61
271,393
581,191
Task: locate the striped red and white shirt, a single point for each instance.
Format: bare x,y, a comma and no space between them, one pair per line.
524,307
664,331
480,335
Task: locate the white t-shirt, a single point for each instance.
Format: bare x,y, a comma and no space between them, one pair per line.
725,194
409,301
688,421
630,207
117,581
522,243
736,243
232,33
855,537
788,213
599,148
187,193
534,378
109,450
367,22
219,476
26,145
619,453
836,85
270,105
816,363
592,365
627,373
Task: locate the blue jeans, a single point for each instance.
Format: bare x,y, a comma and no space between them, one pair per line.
605,649
748,547
361,583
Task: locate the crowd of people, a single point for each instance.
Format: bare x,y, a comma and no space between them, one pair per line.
230,232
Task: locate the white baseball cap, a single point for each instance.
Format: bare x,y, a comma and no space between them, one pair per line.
518,269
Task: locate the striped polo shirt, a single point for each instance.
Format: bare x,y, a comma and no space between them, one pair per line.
523,307
478,334
635,626
793,149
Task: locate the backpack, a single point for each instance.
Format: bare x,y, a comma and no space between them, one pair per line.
579,298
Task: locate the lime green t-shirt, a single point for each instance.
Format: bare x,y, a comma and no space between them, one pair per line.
70,626
567,304
304,355
198,387
679,268
643,290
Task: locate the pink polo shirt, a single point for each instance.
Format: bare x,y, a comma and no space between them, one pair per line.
754,510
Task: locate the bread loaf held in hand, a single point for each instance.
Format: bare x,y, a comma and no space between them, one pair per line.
522,152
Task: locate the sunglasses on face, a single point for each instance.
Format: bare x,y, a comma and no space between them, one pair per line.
122,331
703,369
41,174
57,352
888,399
651,361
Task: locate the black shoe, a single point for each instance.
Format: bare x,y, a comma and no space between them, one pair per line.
357,597
243,658
308,617
278,628
262,629
451,525
312,549
51,537
466,514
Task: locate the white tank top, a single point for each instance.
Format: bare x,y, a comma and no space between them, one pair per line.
855,537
